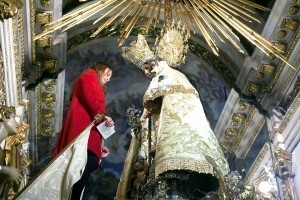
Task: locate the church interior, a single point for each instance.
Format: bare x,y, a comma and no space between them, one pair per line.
248,85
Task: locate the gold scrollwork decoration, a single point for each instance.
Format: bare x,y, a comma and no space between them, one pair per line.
253,88
271,56
47,129
281,34
9,8
45,3
268,69
290,24
44,41
259,75
243,105
48,115
231,132
295,1
238,117
50,86
293,10
43,17
48,49
226,146
49,99
50,64
234,123
282,47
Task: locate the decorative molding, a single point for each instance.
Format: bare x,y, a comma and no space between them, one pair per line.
9,8
49,99
287,118
45,3
231,133
50,86
43,17
295,1
50,65
238,118
282,47
21,37
281,34
279,71
46,64
44,41
47,129
16,20
293,94
244,129
48,115
259,75
290,24
268,69
32,26
294,10
252,138
256,163
253,88
243,106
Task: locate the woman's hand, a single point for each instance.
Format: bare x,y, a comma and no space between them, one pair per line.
108,121
105,151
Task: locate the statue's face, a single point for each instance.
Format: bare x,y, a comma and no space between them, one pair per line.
148,67
10,124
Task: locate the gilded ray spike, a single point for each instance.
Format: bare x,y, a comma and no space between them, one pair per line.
214,19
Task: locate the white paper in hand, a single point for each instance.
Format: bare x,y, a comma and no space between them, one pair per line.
105,130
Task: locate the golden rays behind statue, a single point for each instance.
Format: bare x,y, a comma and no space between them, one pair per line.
214,19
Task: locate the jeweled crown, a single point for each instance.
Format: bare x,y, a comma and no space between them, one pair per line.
172,45
138,52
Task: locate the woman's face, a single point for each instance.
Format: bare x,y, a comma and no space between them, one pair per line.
104,76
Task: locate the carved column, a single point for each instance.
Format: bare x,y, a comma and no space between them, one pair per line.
7,47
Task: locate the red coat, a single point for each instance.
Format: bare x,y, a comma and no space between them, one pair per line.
88,100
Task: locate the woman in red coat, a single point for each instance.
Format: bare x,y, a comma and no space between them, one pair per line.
87,100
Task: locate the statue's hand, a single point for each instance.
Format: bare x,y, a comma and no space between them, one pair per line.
12,173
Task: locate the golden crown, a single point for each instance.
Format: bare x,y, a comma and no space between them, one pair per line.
172,45
138,51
